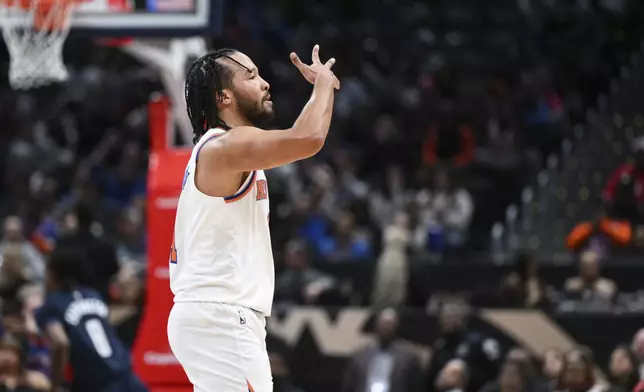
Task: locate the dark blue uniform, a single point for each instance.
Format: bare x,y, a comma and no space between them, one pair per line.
99,361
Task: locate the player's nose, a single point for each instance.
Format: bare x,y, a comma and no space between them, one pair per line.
265,85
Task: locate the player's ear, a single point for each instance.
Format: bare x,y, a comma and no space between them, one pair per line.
224,98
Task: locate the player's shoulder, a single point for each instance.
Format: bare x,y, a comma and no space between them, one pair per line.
210,136
62,298
209,141
220,137
88,292
51,310
54,299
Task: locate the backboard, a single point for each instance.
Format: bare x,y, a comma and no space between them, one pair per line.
167,35
144,18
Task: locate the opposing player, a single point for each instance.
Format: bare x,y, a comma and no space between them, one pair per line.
74,319
221,263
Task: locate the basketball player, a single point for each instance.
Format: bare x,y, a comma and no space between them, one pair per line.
74,320
221,263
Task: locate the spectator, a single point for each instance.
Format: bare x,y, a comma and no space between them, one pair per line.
453,377
392,270
578,373
390,198
127,286
457,340
623,370
637,345
16,321
127,181
348,243
13,375
625,187
384,146
513,377
534,381
446,214
101,255
14,272
386,365
300,283
30,298
130,245
523,287
450,142
14,235
590,285
544,117
600,235
531,380
552,364
127,293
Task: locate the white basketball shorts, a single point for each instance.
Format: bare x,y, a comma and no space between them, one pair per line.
221,347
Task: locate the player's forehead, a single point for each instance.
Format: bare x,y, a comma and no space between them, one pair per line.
245,61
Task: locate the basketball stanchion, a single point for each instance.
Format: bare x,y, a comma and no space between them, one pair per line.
171,60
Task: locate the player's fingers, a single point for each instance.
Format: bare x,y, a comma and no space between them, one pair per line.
337,83
315,56
295,59
330,63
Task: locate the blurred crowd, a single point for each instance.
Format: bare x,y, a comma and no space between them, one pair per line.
464,359
444,116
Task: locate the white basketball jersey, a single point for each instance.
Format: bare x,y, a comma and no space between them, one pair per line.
222,246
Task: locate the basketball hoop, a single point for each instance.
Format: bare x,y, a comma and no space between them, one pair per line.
34,32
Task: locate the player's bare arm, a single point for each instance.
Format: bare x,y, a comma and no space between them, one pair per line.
59,343
246,148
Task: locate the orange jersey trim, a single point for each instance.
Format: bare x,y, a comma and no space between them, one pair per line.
243,192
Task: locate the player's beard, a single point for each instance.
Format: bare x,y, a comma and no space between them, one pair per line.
258,113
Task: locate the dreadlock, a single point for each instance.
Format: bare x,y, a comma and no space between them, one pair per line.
205,82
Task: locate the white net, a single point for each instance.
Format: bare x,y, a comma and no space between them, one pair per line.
35,32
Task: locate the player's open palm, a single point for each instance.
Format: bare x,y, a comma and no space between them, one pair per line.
310,72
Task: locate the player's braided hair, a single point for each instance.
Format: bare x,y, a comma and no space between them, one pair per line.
205,82
69,267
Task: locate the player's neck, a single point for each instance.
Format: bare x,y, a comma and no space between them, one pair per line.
234,119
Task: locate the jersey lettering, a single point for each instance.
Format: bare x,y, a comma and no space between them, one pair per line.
99,338
78,309
173,253
262,190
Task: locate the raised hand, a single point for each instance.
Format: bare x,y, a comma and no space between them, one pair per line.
310,72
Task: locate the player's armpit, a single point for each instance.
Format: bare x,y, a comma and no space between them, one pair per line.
244,149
